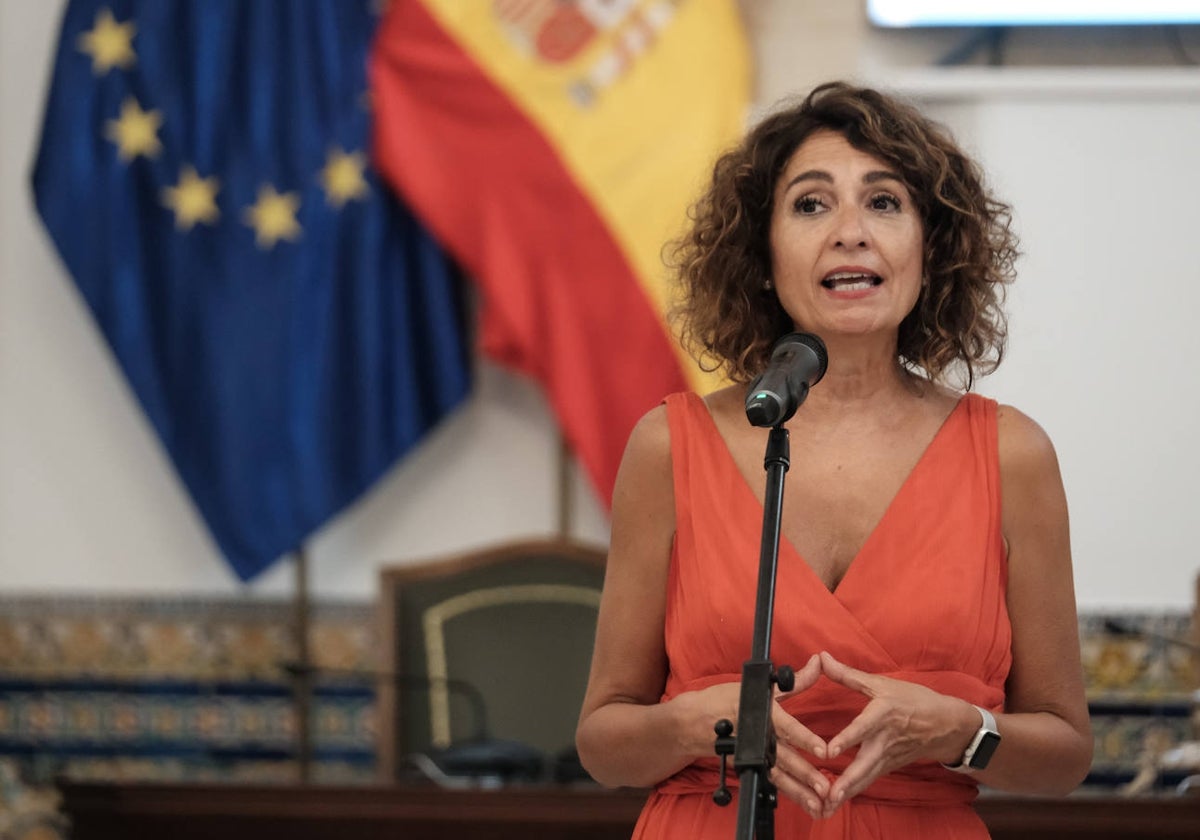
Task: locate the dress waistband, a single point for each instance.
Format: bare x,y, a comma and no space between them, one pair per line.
917,785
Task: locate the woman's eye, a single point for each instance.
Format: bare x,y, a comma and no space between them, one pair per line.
808,204
885,201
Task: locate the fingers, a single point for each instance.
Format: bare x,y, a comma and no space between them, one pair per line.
870,685
798,780
796,735
853,678
792,774
895,728
856,731
789,730
807,676
804,679
866,767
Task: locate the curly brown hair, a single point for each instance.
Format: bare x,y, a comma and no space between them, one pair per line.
729,319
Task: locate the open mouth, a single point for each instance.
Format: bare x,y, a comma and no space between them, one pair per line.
851,281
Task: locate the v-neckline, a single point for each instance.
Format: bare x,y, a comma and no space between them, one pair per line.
784,540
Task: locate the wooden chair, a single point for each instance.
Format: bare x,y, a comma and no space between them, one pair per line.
488,647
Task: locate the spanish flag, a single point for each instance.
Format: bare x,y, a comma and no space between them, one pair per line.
553,147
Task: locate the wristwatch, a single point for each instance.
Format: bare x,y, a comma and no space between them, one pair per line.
979,751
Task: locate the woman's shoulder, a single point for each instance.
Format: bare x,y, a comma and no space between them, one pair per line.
719,404
646,464
652,430
1025,447
1020,431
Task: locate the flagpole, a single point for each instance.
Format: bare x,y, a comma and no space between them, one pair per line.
566,497
302,686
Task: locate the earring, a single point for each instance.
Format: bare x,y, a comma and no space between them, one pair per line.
767,286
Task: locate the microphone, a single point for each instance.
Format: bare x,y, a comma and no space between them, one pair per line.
400,682
1124,630
798,362
481,756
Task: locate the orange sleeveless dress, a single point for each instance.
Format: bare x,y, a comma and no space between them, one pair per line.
923,601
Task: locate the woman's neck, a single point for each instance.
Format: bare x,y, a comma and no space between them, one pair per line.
861,373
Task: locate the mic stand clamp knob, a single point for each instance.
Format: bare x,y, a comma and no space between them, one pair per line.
724,747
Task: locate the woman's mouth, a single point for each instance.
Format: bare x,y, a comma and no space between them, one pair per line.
851,281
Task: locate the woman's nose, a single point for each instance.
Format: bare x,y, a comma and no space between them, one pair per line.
849,230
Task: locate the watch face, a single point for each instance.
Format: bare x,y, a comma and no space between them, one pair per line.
983,752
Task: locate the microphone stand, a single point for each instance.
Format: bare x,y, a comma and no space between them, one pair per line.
753,748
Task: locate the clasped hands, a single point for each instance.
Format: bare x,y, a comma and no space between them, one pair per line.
902,723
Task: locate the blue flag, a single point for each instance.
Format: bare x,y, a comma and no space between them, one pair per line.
286,324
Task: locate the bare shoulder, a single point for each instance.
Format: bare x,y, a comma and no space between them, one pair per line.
1033,500
1025,448
651,436
645,477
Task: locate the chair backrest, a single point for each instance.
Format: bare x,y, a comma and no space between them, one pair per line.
503,633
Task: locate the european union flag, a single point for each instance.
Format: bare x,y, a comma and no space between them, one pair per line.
288,327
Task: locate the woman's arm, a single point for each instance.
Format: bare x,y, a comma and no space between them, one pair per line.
1046,740
626,736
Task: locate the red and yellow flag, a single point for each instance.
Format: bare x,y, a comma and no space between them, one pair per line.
554,147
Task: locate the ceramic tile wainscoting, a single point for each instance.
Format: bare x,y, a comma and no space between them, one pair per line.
196,690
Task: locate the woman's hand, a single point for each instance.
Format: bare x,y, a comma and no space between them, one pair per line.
793,775
902,723
698,711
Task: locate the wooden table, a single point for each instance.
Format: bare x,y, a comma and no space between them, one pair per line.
100,811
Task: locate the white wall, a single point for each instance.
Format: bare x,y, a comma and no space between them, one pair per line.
1101,167
1105,189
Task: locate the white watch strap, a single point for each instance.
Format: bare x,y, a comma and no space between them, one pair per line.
988,725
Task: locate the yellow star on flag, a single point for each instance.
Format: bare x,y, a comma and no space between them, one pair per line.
135,132
110,44
273,217
194,199
343,178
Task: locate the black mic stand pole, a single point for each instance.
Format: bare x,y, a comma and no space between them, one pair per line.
753,748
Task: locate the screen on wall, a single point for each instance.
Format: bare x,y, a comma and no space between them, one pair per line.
911,13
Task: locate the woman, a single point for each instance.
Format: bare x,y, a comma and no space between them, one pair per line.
924,592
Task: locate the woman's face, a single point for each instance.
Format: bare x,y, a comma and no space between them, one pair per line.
846,241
